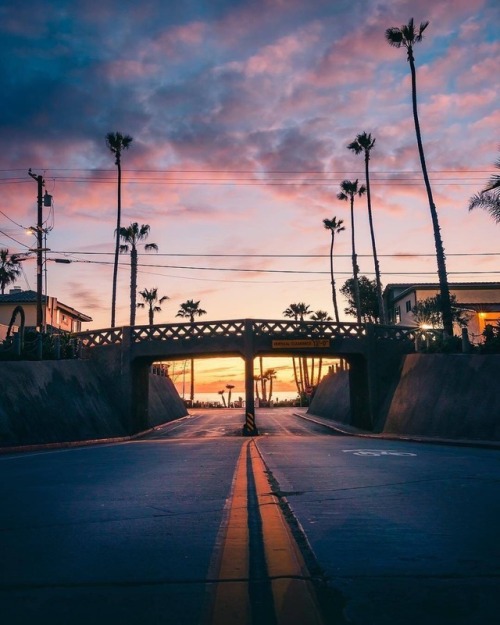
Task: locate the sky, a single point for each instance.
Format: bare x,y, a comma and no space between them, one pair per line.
240,113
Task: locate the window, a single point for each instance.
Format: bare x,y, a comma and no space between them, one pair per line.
408,305
397,314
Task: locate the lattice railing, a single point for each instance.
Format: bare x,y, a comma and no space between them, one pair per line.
404,333
281,328
177,331
98,338
308,329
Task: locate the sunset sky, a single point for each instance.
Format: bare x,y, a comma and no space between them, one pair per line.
241,112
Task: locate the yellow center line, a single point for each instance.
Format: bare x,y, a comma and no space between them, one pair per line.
294,599
231,602
293,594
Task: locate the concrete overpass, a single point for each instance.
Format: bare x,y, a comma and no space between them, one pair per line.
372,351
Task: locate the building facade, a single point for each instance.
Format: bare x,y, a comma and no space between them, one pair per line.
481,300
56,315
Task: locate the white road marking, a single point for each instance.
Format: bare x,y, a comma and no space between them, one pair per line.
376,452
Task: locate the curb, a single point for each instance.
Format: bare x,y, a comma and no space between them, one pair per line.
346,430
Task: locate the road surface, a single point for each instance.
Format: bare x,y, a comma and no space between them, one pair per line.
197,524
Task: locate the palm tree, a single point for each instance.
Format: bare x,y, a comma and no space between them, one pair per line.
348,190
191,309
10,269
489,197
151,300
221,393
406,37
319,315
256,379
270,375
364,143
116,143
298,312
131,237
230,389
335,226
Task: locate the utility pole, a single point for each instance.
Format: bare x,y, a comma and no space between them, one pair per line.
39,250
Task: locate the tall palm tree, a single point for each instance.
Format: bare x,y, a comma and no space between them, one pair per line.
10,269
363,143
335,226
407,36
151,300
348,190
230,390
489,197
116,143
191,309
131,236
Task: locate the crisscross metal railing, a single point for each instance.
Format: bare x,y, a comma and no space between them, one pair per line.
307,329
98,338
190,331
279,329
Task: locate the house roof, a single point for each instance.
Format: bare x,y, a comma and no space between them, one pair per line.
30,297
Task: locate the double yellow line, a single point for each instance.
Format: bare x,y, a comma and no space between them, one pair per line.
293,597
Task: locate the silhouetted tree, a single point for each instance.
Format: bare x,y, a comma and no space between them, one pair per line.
191,309
116,143
10,269
406,37
368,309
348,190
428,312
489,198
364,144
151,301
131,237
230,389
335,226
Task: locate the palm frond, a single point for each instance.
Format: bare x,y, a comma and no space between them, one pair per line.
488,201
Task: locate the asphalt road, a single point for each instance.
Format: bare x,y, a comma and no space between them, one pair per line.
392,532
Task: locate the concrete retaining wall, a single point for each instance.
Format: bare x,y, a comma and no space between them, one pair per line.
59,401
331,400
452,396
447,395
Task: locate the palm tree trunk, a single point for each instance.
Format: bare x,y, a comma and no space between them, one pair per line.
192,381
117,242
355,265
320,366
133,285
381,307
262,382
334,292
151,314
440,257
295,375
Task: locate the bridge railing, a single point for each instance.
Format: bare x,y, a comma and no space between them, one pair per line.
307,329
281,328
199,329
98,338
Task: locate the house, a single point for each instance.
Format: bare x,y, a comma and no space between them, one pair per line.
56,315
480,299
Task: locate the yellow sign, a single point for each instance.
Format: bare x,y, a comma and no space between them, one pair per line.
301,343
